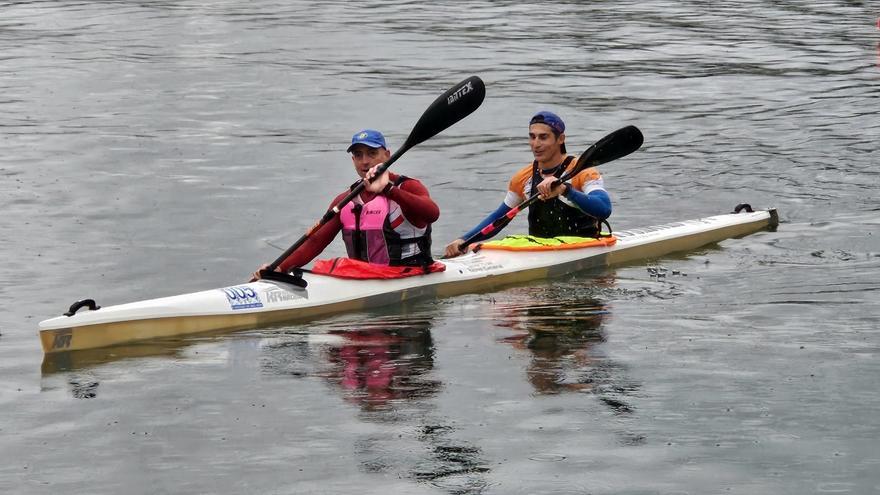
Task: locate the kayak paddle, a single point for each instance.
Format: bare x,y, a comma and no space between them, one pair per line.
611,147
450,107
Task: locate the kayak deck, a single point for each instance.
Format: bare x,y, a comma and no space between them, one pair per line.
267,302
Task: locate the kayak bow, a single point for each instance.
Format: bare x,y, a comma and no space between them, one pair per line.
266,302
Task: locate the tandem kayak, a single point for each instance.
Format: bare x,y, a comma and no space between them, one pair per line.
267,302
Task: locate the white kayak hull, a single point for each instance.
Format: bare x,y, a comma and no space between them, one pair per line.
267,302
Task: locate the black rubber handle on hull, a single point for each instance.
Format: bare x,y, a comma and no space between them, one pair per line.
89,303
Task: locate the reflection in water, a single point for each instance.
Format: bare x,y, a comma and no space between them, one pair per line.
88,358
380,364
384,366
452,465
79,369
560,326
76,367
83,387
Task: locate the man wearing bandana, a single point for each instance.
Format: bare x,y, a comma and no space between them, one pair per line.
575,208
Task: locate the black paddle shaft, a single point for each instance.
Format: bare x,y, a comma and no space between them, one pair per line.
611,147
450,107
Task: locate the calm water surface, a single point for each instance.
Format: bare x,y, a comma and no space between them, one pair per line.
162,147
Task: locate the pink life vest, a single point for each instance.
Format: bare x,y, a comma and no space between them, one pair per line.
377,232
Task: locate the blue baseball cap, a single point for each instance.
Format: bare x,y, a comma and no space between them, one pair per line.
550,119
367,137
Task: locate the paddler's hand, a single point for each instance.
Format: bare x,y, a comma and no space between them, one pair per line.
256,275
376,184
547,191
453,249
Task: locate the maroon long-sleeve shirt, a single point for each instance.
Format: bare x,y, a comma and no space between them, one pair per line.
415,204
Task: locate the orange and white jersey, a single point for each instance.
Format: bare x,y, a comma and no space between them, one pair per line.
520,187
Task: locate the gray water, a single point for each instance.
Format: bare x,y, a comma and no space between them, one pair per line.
161,147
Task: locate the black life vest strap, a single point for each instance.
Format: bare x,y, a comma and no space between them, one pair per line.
557,170
601,234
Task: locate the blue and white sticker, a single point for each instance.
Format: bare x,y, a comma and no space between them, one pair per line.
242,297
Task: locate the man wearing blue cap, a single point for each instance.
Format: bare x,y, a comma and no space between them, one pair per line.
573,209
389,223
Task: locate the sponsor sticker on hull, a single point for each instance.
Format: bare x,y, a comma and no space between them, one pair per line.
242,297
478,263
61,339
622,234
277,295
